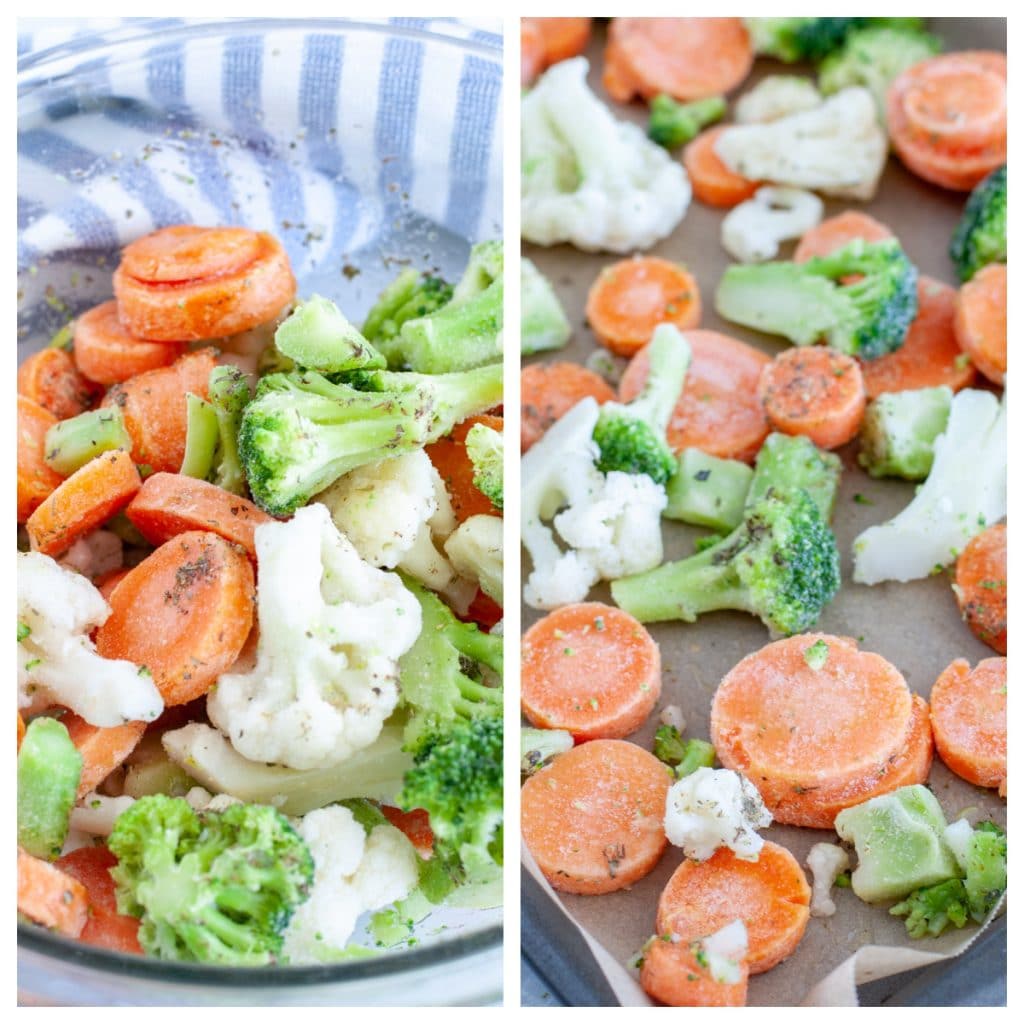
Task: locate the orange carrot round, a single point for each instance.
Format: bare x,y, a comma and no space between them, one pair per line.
688,58
37,480
549,390
452,462
770,895
672,974
184,613
981,321
102,749
835,232
969,720
719,410
562,38
714,183
593,818
85,500
187,283
155,408
91,865
590,669
630,298
50,378
169,504
106,353
106,583
981,586
531,51
51,897
930,355
816,392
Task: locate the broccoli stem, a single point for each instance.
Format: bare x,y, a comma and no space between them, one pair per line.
669,356
708,491
49,769
698,754
71,443
409,296
320,337
796,463
229,395
201,438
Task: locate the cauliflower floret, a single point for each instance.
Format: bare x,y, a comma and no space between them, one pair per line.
332,629
826,861
715,807
837,148
589,179
776,96
354,873
95,554
58,663
726,950
752,231
476,551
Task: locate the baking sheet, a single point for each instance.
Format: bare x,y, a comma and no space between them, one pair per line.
916,626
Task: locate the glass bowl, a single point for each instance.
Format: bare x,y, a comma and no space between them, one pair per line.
364,146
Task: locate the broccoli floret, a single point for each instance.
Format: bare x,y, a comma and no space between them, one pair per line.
708,491
669,745
793,39
696,754
980,237
49,769
631,437
302,431
409,296
318,336
539,746
229,395
866,317
486,449
985,865
672,123
897,436
73,442
543,325
781,563
873,57
797,463
210,887
933,909
448,674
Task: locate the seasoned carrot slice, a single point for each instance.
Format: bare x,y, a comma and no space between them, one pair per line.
562,38
91,866
36,479
593,818
453,463
50,897
714,183
672,974
835,232
969,720
719,410
630,298
184,613
102,750
50,379
187,283
981,321
85,500
549,390
981,586
590,669
770,895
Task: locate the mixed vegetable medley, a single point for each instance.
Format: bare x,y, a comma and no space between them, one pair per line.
864,359
259,609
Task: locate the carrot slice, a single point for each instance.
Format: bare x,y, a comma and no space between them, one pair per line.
719,410
91,866
21,729
106,353
981,586
531,51
593,818
36,479
816,392
184,613
85,500
107,583
630,298
50,897
969,720
791,728
155,409
187,283
484,611
549,390
51,379
169,504
714,183
981,321
930,355
835,232
672,974
452,461
415,825
562,38
590,669
102,750
688,58
770,895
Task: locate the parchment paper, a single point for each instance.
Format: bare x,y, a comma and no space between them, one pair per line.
917,626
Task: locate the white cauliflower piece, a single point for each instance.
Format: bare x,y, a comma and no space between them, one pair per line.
95,554
332,629
476,550
837,148
752,231
715,807
726,950
96,814
354,873
827,861
58,663
776,96
958,839
590,179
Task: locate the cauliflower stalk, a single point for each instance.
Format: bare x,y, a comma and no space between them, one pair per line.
589,179
332,629
827,862
476,551
58,663
752,231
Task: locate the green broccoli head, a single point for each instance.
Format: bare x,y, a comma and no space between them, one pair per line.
209,887
980,237
409,296
318,336
933,909
813,39
986,869
669,745
672,124
486,449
